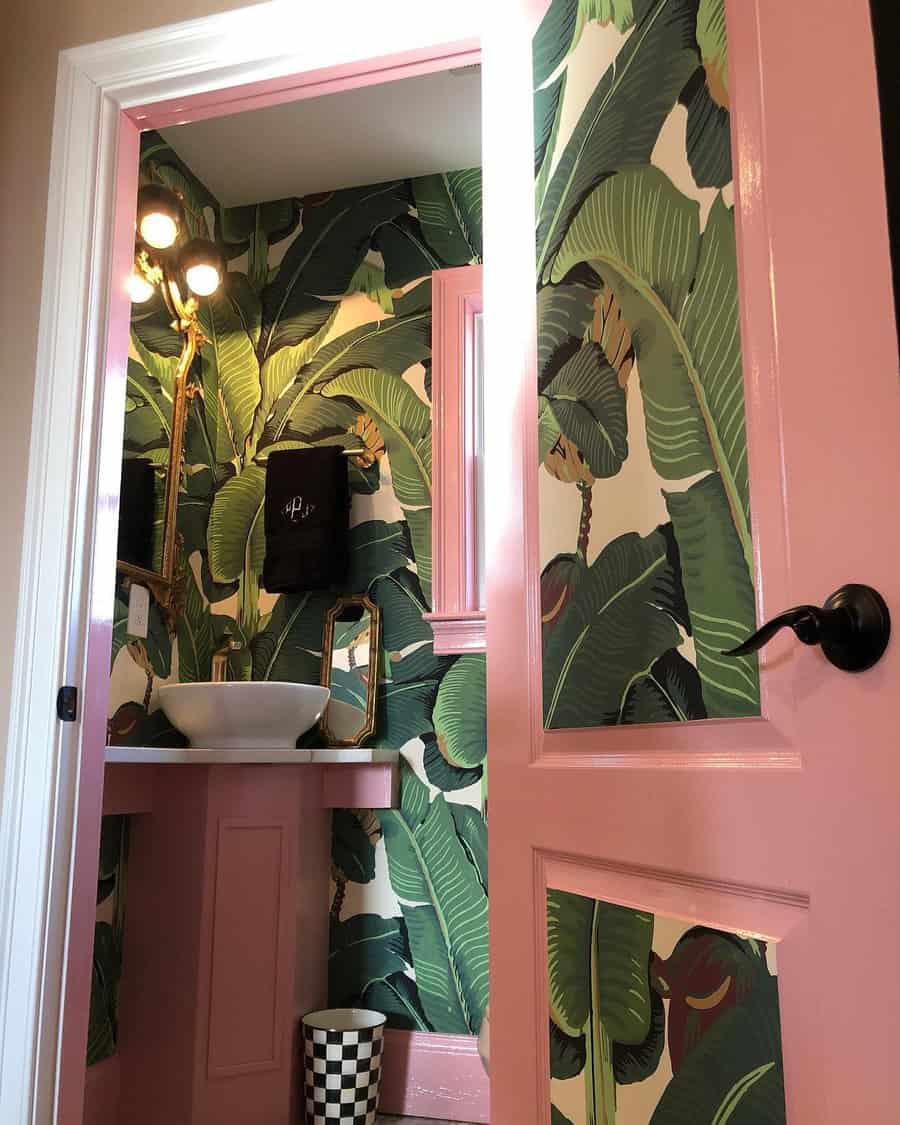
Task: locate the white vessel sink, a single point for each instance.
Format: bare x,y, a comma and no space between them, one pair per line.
250,715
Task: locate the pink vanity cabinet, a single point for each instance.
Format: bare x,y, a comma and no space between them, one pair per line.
226,929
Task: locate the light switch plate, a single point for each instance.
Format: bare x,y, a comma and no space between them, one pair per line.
138,611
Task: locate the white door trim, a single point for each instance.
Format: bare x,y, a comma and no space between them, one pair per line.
68,560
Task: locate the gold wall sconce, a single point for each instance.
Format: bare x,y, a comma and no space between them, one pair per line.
181,269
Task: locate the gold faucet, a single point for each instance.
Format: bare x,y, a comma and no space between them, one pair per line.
220,660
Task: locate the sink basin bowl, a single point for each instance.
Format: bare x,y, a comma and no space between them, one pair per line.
252,715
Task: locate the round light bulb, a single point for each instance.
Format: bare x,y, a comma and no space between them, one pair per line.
202,279
139,289
158,230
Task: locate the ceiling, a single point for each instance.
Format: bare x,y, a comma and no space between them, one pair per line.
405,128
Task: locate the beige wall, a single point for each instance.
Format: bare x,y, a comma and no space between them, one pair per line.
34,32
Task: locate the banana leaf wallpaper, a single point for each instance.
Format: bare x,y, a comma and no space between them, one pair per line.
321,335
644,501
107,960
655,1022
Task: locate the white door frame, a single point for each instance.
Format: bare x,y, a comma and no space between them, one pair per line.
52,787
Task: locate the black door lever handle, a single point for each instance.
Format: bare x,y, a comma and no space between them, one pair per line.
853,627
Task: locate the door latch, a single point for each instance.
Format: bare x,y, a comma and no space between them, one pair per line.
67,703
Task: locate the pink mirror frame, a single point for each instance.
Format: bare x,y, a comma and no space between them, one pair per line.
458,617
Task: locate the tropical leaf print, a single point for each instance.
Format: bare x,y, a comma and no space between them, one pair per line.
585,403
460,713
623,117
623,614
680,300
444,905
336,235
449,212
365,950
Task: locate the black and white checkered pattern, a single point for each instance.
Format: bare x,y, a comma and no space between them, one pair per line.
343,1069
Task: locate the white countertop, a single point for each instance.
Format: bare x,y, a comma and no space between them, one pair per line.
152,755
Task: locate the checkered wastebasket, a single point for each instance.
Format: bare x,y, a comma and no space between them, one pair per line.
343,1065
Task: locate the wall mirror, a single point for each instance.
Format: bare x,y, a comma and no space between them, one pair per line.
350,655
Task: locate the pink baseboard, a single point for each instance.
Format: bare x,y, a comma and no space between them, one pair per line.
101,1093
430,1075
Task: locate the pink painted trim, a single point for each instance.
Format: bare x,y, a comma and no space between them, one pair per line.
456,633
100,595
429,1075
102,1087
330,79
314,83
374,785
456,300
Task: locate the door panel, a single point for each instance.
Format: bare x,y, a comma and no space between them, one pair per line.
646,550
779,826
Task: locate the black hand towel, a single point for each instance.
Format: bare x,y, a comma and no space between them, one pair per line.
137,503
307,520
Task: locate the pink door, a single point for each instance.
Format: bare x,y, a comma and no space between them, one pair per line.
695,890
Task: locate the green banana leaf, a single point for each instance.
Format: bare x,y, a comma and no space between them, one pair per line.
405,425
623,941
352,850
670,691
229,361
564,313
471,828
570,921
335,237
623,117
403,712
377,549
460,719
585,402
708,134
553,40
637,1062
449,212
398,997
720,596
246,303
678,294
568,1053
253,228
444,906
363,950
194,635
393,345
290,647
151,328
105,974
712,38
620,618
148,417
236,535
406,253
443,774
407,639
277,375
111,845
735,1073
